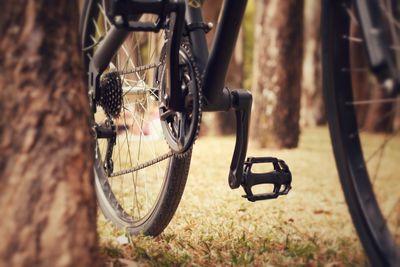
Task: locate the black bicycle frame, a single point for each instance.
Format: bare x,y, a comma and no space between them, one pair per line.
213,66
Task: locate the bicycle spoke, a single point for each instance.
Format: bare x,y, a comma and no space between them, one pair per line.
353,39
373,101
389,15
120,162
379,122
383,145
351,14
378,166
107,23
130,161
393,209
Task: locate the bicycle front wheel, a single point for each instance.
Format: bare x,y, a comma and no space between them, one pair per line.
139,181
361,116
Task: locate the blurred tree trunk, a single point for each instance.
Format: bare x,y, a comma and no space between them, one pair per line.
360,80
277,73
312,108
380,116
377,117
47,199
224,122
211,9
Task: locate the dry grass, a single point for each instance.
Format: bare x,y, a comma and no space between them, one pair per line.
216,226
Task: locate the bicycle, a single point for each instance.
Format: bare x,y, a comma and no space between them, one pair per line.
151,76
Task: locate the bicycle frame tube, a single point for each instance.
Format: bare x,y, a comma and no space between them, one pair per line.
379,54
197,37
111,43
217,98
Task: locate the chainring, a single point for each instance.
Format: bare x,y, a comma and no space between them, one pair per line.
181,128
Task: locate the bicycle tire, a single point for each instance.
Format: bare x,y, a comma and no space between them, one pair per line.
154,221
373,231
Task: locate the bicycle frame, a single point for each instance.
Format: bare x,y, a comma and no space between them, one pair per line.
213,65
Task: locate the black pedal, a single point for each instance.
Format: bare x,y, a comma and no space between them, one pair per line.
280,177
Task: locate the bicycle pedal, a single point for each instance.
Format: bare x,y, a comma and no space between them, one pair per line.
280,178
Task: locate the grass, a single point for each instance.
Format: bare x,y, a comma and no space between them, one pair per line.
216,226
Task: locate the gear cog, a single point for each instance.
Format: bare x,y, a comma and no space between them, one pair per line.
111,94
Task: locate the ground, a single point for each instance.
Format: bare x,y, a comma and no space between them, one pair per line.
216,226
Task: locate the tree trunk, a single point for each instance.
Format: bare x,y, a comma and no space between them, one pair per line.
380,116
46,165
312,108
224,122
360,80
374,117
277,73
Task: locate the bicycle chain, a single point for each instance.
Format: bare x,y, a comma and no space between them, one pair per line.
199,78
144,165
140,68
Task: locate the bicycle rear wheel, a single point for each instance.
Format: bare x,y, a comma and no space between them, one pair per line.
139,181
367,162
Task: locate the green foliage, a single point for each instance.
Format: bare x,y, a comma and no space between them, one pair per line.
113,251
248,27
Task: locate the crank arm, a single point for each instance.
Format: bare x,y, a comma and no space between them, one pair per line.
240,173
241,102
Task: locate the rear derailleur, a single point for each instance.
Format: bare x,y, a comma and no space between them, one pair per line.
107,131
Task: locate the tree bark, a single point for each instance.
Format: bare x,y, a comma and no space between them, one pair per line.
46,164
312,108
377,117
380,116
277,73
224,122
360,80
